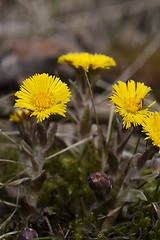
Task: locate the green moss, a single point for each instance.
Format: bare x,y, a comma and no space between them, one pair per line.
45,198
67,194
79,226
141,227
100,236
70,175
7,169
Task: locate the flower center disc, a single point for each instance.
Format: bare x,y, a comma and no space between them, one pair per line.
43,100
133,105
97,176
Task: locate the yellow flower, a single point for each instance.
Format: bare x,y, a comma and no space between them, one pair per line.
87,61
151,127
20,115
43,95
128,100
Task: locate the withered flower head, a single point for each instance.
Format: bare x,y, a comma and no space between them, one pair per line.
100,183
28,234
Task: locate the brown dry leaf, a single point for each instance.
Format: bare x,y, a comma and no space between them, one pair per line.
15,183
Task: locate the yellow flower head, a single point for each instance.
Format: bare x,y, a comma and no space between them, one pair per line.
43,95
128,100
87,61
20,115
151,127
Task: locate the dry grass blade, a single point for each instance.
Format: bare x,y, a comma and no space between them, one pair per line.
2,99
8,203
157,210
18,175
9,234
111,213
9,218
11,139
49,225
69,148
12,161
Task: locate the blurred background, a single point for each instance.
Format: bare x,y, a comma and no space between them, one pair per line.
33,34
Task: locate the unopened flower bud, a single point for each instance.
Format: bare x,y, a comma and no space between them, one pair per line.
28,234
100,183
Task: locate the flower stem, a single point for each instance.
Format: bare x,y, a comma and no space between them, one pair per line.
92,98
137,144
97,122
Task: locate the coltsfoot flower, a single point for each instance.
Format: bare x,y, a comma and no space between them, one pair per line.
43,95
20,115
87,61
128,99
151,127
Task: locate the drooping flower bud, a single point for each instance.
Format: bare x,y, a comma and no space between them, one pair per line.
100,183
28,234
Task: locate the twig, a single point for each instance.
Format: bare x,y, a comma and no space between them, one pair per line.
151,48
